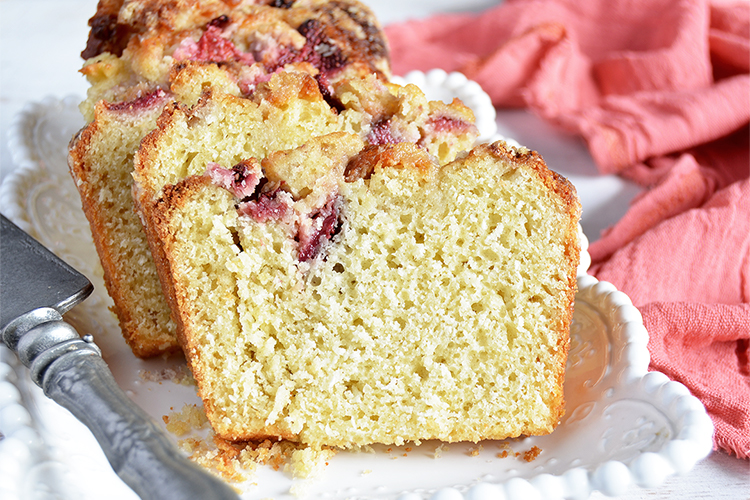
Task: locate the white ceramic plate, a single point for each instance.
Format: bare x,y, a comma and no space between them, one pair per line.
623,425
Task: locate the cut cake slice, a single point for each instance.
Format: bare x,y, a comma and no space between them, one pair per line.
342,294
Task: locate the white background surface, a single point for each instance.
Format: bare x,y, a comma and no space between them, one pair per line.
40,42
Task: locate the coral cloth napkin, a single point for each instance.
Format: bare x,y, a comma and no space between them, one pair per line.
660,91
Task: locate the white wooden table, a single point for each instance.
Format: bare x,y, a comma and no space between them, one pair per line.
40,42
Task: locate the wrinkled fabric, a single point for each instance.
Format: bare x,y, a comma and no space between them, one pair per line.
690,277
660,91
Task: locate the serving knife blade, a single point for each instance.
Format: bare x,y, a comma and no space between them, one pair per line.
36,289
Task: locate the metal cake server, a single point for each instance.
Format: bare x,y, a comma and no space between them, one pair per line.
36,289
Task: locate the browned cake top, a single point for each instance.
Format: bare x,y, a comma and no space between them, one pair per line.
328,34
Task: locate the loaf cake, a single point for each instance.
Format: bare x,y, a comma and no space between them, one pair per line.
342,293
330,58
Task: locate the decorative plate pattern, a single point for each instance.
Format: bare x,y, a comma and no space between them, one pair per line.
624,425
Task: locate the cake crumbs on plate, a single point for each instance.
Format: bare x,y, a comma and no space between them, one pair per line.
239,461
474,451
181,423
236,460
530,455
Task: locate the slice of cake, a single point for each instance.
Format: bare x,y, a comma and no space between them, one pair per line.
147,54
343,293
100,160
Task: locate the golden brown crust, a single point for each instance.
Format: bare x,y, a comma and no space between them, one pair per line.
287,86
146,336
89,204
161,237
145,190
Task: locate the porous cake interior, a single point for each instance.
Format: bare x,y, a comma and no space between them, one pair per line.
439,310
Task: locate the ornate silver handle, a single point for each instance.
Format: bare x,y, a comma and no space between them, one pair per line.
72,372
